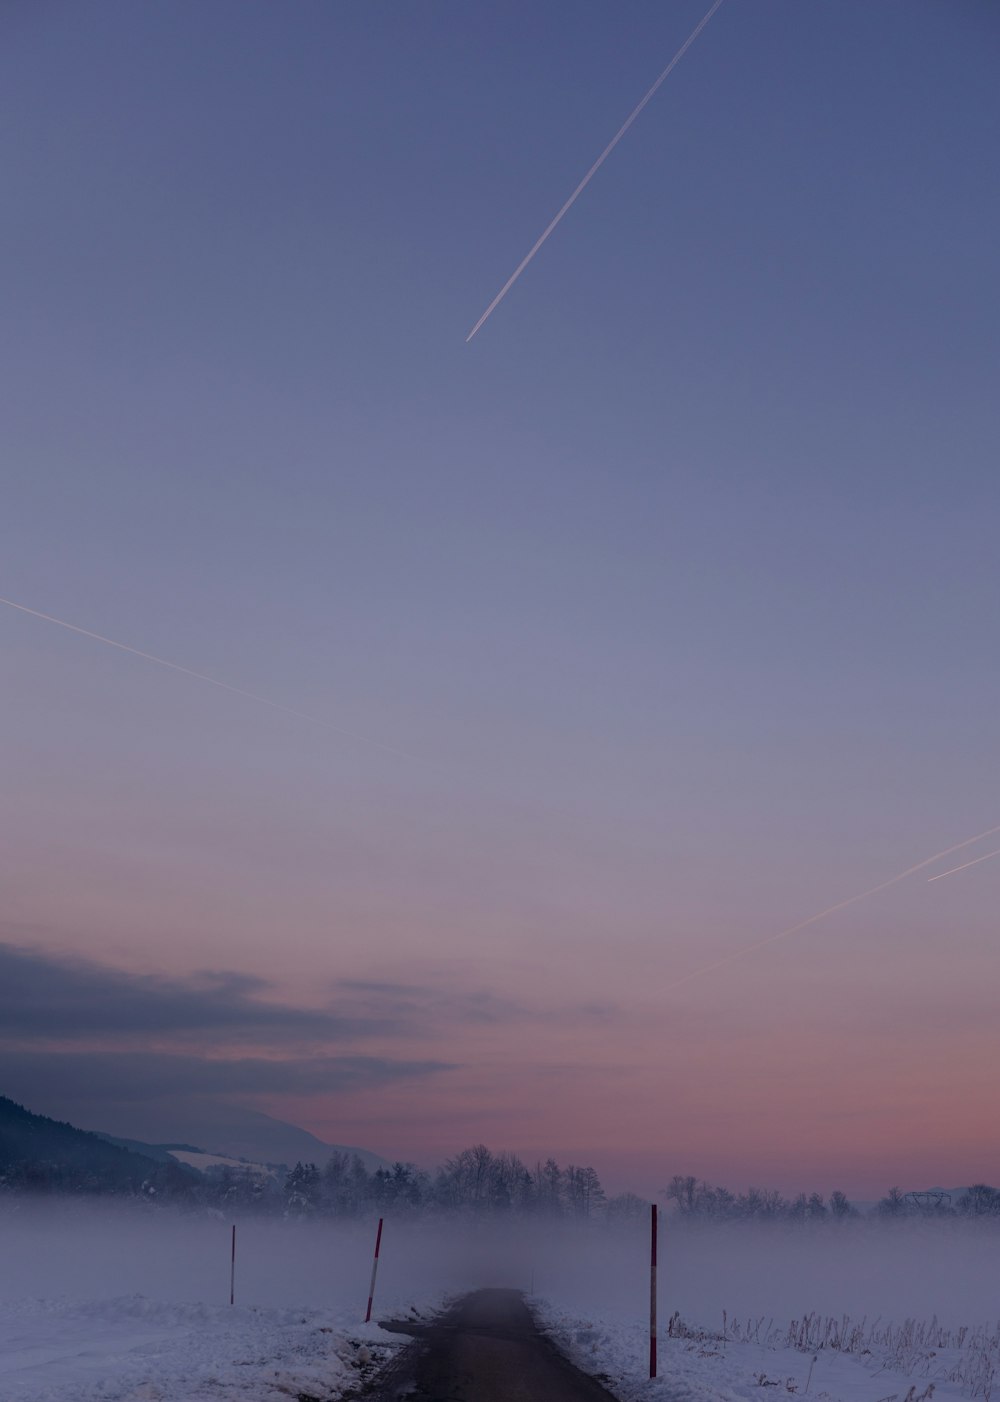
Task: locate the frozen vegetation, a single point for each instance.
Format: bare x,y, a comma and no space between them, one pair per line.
879,1309
109,1301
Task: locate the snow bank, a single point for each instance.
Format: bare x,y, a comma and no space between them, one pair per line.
135,1348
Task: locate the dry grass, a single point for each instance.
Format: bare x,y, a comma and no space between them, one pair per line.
921,1348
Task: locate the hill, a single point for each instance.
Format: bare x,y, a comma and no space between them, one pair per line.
210,1164
232,1131
249,1134
162,1153
52,1156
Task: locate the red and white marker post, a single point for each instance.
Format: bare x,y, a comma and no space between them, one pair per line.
652,1290
232,1269
371,1288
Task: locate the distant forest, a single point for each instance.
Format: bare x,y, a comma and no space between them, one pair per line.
480,1181
41,1156
700,1201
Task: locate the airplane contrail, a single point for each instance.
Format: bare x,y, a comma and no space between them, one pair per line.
202,677
593,170
975,861
832,909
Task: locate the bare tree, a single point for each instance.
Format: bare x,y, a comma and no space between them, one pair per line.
980,1201
684,1192
893,1204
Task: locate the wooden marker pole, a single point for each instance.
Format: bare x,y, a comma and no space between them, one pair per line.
371,1288
232,1269
652,1291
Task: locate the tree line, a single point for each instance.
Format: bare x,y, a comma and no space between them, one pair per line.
694,1198
476,1181
697,1200
39,1155
979,1200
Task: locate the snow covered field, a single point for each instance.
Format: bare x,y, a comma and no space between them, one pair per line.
136,1348
112,1303
859,1312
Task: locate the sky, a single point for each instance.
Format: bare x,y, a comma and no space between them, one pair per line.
657,618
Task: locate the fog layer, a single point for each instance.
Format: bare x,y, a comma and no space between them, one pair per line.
946,1268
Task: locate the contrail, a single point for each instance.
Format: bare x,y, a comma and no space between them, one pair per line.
832,909
593,170
975,861
202,677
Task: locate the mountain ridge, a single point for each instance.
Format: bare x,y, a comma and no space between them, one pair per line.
39,1152
233,1131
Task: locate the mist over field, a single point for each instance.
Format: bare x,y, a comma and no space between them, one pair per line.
866,1267
896,1270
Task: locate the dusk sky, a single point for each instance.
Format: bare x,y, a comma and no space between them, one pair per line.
657,618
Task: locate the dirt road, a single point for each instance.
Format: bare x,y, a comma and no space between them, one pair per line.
487,1348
